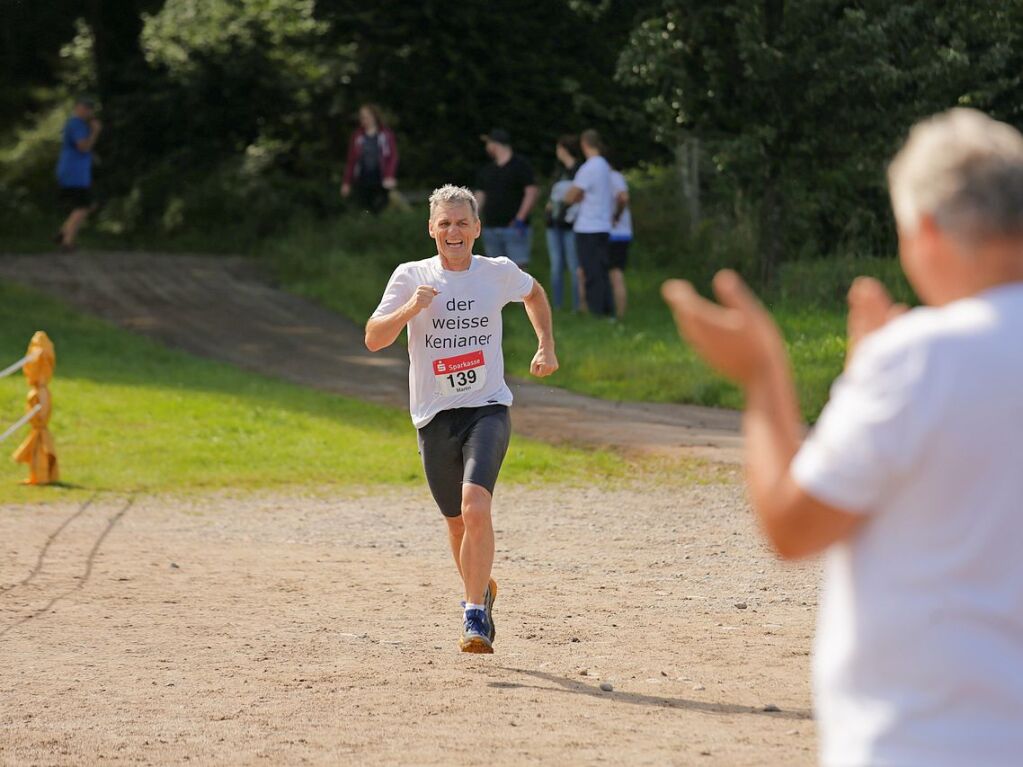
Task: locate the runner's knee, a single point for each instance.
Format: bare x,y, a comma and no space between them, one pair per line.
456,525
475,506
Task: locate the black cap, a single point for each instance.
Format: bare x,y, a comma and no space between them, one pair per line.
498,136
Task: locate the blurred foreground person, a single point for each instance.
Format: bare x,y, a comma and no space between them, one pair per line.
74,170
372,163
911,479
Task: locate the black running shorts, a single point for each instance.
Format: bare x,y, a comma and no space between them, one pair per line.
463,445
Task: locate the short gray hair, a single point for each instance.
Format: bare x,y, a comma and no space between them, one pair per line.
449,194
964,169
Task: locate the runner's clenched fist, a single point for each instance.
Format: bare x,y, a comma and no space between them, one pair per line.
544,363
423,297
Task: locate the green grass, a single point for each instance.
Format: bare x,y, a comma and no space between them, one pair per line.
130,415
345,266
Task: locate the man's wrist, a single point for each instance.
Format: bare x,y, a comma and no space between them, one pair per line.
411,309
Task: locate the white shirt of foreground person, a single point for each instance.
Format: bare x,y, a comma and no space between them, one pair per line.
455,355
919,650
594,178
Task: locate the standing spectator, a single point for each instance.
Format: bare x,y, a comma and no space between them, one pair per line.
74,169
591,188
911,477
560,216
372,164
506,191
621,237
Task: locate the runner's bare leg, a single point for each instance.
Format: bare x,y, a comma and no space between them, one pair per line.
73,223
456,531
477,554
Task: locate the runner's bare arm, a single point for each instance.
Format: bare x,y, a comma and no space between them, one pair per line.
545,361
381,332
740,340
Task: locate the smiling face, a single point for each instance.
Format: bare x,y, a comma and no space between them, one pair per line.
454,228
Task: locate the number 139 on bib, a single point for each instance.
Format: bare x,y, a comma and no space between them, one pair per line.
461,374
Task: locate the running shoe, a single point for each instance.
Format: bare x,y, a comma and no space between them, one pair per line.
488,599
476,633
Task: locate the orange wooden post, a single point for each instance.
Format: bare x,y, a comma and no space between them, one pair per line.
38,450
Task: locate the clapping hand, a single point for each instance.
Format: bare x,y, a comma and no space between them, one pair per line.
737,337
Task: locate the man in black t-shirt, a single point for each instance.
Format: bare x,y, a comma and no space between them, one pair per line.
506,191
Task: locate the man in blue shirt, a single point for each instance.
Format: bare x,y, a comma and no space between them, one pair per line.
74,169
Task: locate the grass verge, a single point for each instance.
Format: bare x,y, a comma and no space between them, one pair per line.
130,415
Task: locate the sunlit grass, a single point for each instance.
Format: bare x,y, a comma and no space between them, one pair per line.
130,415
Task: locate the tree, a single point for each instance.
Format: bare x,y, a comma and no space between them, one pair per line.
801,102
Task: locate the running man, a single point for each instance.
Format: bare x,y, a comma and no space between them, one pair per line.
74,170
451,304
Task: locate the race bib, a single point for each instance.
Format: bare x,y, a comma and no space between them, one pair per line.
461,374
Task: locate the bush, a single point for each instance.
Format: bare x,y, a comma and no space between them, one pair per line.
823,284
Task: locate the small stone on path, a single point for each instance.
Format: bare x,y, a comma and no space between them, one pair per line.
606,687
771,708
740,605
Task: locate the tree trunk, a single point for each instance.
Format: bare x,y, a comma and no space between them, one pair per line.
771,240
116,27
687,164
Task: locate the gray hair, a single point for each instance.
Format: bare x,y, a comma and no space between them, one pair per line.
449,194
964,169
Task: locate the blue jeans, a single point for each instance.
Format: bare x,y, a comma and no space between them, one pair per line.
508,241
561,247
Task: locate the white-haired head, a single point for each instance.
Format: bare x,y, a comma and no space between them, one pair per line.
965,170
449,194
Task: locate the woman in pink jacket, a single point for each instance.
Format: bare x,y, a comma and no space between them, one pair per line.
372,162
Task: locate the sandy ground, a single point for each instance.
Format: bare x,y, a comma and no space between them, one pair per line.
282,629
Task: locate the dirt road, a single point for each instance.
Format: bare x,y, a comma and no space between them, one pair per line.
295,629
298,630
223,308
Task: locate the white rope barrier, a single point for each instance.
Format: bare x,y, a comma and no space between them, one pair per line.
18,366
20,422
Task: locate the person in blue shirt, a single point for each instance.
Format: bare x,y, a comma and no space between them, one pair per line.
74,169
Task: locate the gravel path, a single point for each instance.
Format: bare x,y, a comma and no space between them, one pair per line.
284,629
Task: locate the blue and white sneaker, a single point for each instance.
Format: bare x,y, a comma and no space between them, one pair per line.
476,633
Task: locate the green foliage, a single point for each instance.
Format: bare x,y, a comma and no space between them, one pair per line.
800,104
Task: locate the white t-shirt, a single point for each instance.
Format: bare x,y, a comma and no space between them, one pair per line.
455,356
623,229
594,178
919,650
